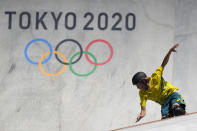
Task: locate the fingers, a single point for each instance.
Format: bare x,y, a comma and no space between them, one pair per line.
174,50
138,118
174,47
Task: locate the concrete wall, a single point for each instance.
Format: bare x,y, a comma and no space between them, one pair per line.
184,69
106,99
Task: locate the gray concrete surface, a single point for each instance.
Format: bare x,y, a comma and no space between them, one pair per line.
181,123
106,99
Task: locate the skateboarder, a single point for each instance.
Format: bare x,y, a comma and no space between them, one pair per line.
155,88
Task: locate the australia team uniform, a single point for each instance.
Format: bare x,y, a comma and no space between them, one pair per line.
161,92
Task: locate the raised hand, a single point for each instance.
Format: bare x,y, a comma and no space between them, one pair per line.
174,47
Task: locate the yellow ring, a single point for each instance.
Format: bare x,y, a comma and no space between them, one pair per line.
47,53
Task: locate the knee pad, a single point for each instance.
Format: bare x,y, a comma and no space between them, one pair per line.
178,110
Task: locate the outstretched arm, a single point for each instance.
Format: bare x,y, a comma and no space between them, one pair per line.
142,114
166,58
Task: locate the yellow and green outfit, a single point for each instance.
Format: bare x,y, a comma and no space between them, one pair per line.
161,92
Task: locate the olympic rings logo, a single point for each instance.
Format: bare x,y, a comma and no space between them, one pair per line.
65,62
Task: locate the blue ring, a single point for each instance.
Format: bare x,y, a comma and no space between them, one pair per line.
42,40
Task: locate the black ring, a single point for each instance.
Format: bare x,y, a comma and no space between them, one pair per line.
66,40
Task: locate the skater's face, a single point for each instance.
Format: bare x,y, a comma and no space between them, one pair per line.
141,86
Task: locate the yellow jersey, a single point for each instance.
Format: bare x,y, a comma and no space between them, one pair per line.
158,90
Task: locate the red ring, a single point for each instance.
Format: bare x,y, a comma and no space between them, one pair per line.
99,40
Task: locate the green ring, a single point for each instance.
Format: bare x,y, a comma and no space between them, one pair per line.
84,52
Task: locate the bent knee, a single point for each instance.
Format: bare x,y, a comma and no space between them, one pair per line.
178,110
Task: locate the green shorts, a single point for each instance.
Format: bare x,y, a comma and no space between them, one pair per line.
174,98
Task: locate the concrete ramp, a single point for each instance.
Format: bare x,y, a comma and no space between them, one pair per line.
181,123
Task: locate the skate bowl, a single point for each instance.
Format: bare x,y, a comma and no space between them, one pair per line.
106,42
